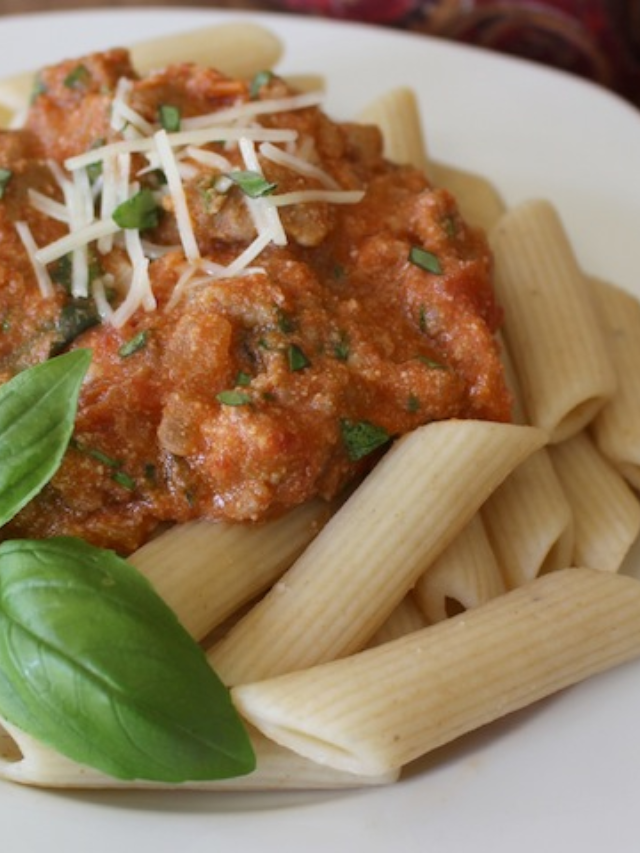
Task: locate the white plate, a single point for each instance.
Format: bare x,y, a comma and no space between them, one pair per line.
558,777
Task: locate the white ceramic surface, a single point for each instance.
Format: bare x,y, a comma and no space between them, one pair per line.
562,776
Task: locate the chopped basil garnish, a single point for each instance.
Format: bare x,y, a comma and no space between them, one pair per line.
243,379
39,88
115,465
141,211
362,438
450,227
431,362
124,480
94,170
170,118
425,260
5,177
77,78
413,404
134,344
341,348
76,317
233,398
262,78
286,324
252,184
296,358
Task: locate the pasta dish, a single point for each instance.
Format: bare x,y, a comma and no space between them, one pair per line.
290,495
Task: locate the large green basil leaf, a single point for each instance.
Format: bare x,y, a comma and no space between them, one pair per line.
95,664
37,413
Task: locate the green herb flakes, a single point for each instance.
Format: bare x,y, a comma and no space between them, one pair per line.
426,260
233,398
140,212
296,358
78,78
362,438
170,118
252,184
5,177
261,79
134,344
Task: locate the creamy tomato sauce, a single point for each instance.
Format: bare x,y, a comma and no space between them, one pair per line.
236,396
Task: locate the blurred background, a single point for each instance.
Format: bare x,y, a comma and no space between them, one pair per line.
596,39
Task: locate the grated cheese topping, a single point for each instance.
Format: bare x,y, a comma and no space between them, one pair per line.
88,206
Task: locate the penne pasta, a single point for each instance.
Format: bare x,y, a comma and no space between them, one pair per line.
479,201
615,428
606,511
529,522
404,514
397,115
382,708
406,617
28,762
550,323
464,576
223,566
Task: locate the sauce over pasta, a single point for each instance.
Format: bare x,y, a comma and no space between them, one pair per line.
268,301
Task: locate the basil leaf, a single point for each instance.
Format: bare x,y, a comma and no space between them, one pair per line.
5,177
170,118
134,344
139,212
37,413
252,184
233,398
362,438
262,78
96,665
77,78
296,358
425,260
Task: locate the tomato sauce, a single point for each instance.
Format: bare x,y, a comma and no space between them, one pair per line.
239,397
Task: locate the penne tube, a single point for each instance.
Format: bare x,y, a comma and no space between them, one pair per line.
479,201
223,566
614,429
397,115
373,550
529,522
239,49
606,511
28,762
551,327
406,617
465,575
384,707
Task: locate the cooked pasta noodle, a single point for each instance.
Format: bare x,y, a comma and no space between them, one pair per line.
387,706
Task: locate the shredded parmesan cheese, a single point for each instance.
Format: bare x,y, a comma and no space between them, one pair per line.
306,196
297,164
250,110
42,276
176,188
201,136
89,209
